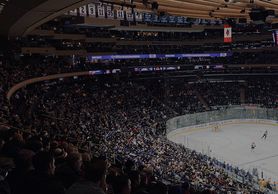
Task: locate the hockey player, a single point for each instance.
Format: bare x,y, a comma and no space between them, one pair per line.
253,146
264,135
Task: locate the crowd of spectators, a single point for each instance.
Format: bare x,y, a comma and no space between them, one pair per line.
28,66
217,94
101,134
112,129
120,122
265,94
104,135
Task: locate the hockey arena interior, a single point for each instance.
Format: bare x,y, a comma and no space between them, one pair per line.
138,96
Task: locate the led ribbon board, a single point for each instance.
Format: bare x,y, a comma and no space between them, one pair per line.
156,56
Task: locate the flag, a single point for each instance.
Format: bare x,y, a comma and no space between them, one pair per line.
227,33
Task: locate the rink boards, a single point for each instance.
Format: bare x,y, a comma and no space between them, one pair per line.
232,143
190,129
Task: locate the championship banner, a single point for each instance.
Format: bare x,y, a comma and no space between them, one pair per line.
109,12
73,12
129,15
212,22
138,16
164,19
185,20
198,21
156,19
227,33
172,19
120,14
204,21
100,11
148,17
83,11
92,10
180,19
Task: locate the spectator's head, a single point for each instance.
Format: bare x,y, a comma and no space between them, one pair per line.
95,171
122,185
75,161
6,164
186,186
86,157
135,178
129,165
44,162
2,142
158,188
35,144
59,154
23,159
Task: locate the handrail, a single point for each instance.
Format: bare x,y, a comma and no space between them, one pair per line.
43,78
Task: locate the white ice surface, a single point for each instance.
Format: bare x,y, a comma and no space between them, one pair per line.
232,144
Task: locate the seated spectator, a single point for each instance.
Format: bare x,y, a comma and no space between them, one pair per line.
69,172
23,165
122,185
94,180
135,180
42,179
5,166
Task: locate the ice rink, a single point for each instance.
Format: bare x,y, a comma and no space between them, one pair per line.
233,144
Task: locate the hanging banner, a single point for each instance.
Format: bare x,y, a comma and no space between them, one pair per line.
212,22
83,11
92,10
204,21
148,17
120,14
101,11
109,12
129,15
138,16
164,19
180,19
172,19
156,19
197,21
73,12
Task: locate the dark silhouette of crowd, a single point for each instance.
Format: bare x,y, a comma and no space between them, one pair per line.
99,135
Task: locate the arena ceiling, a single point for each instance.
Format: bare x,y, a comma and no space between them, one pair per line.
20,16
216,8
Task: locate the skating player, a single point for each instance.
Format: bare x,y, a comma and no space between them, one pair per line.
253,146
264,135
215,128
